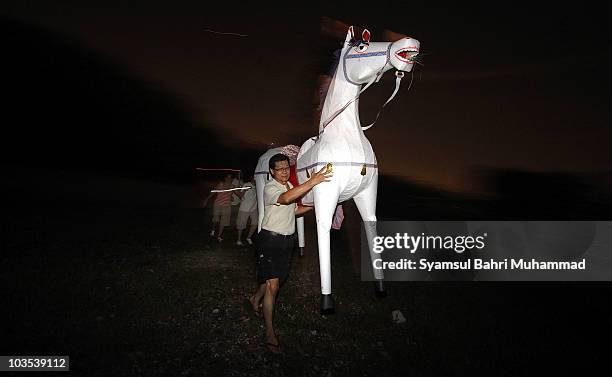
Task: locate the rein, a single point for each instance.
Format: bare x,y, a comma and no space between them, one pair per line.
398,78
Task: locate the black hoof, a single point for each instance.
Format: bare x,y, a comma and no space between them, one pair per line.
301,251
328,311
327,304
379,288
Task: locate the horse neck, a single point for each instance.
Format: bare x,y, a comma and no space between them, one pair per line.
339,94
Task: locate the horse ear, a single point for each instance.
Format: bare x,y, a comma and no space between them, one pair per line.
350,35
365,36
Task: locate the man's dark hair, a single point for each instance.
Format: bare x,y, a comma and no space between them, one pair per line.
276,158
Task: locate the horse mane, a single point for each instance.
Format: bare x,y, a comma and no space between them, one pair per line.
323,84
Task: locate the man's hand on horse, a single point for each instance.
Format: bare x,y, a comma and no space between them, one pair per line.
322,175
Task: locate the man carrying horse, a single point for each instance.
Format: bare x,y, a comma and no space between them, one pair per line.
275,242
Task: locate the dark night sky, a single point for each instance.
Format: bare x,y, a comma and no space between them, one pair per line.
505,85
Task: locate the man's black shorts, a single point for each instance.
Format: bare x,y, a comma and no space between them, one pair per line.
273,253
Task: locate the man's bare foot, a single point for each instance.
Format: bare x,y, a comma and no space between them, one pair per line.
273,344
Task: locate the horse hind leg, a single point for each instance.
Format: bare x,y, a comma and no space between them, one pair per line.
260,182
366,204
299,225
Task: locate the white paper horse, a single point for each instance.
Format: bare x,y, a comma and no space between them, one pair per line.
341,141
262,176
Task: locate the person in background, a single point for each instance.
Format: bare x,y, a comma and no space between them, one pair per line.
222,206
247,211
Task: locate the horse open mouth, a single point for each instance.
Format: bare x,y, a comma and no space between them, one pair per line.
407,55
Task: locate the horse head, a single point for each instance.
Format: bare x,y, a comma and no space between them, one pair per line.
364,60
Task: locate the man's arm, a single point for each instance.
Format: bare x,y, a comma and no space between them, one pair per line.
241,193
208,198
302,210
217,187
299,191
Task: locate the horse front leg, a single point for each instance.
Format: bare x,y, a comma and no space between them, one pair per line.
325,199
366,204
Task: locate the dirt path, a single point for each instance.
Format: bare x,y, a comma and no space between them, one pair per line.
147,293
